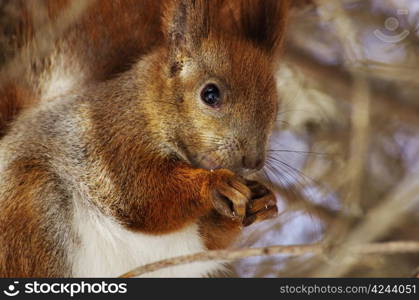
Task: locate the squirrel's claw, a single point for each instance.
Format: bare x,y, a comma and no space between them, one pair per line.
262,205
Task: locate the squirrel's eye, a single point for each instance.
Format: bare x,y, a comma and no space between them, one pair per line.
210,94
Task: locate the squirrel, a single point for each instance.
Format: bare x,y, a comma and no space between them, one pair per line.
130,139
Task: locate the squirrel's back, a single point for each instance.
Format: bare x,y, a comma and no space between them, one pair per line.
57,46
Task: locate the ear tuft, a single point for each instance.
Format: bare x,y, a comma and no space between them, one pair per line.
187,22
263,22
174,22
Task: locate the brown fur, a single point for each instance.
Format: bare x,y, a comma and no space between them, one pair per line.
145,129
218,231
13,99
29,248
108,39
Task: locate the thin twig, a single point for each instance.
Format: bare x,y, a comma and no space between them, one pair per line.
376,223
295,250
340,82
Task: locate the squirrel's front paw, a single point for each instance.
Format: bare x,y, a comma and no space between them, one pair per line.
230,194
262,204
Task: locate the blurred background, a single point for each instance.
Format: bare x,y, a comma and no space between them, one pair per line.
344,157
345,154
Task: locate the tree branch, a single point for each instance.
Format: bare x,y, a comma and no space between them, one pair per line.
295,250
340,83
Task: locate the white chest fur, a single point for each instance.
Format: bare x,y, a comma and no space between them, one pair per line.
107,249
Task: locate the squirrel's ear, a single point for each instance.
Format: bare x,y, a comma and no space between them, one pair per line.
263,22
186,23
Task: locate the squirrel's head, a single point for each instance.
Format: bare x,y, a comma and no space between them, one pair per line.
220,74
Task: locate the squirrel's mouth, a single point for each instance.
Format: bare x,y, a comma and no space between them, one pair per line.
213,162
209,162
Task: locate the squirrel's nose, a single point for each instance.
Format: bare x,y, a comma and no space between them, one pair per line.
252,163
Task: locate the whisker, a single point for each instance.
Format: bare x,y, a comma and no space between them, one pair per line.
293,110
267,176
270,168
289,179
295,191
310,180
301,152
304,181
289,187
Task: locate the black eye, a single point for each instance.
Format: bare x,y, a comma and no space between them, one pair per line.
210,94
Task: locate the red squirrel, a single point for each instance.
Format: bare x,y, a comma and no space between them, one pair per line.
131,139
